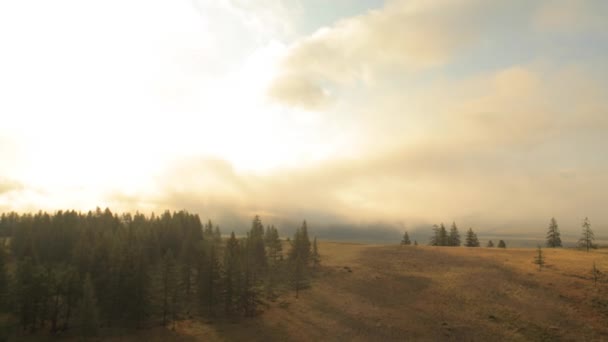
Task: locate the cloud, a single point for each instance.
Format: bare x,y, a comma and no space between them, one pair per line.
571,16
403,36
497,149
299,91
8,185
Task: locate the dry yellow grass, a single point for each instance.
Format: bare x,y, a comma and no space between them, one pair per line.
427,293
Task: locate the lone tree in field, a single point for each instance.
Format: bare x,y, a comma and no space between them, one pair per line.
490,244
471,239
502,244
406,239
539,259
553,238
454,237
587,237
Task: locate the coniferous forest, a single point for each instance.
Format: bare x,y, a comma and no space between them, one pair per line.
80,272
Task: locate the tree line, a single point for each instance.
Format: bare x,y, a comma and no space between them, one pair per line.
70,270
442,237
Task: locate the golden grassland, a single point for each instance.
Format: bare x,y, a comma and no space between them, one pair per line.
383,293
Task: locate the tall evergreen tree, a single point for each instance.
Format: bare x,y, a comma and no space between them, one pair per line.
440,236
539,259
490,244
406,239
299,258
553,235
587,236
454,237
231,275
502,244
471,239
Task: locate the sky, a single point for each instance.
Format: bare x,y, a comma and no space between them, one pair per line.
396,113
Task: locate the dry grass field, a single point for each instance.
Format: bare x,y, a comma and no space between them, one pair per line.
383,293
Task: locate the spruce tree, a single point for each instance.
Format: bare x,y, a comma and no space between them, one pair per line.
231,275
553,235
454,237
502,244
490,244
406,239
587,236
471,239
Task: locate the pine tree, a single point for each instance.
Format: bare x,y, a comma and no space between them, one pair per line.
440,236
553,235
454,237
231,275
490,244
406,239
471,239
88,315
587,236
539,259
502,244
299,257
415,243
273,244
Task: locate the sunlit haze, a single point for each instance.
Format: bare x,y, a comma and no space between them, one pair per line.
493,114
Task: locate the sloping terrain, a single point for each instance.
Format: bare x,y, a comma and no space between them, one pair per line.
382,293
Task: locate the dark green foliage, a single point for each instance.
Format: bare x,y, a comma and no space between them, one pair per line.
502,244
4,280
553,235
440,236
169,287
454,237
490,244
406,239
539,259
273,245
88,315
232,276
587,236
100,269
471,239
299,258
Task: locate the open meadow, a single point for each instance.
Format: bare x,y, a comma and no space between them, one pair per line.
379,293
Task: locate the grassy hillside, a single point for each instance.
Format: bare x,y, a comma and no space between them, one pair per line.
373,292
